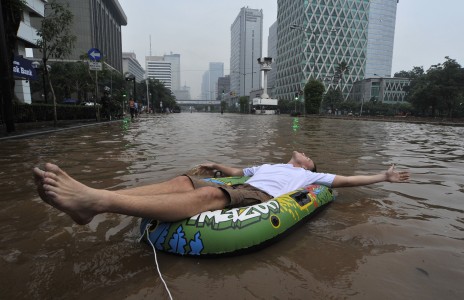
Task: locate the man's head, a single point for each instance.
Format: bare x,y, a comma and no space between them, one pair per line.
300,160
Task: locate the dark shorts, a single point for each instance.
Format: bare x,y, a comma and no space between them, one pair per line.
239,195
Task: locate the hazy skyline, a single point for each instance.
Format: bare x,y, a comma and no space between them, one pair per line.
426,32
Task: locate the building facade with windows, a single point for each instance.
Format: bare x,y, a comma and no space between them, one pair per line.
131,65
223,86
272,52
205,88
157,68
166,69
216,70
380,38
97,24
315,37
246,48
381,89
27,38
174,59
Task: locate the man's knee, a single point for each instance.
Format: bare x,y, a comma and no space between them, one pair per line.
183,181
213,196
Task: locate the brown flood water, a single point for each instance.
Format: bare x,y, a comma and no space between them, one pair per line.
385,241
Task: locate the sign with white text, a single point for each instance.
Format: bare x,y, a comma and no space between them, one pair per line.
95,66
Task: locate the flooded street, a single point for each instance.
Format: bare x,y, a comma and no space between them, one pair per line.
384,241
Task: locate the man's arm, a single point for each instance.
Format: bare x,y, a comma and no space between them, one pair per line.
226,170
358,180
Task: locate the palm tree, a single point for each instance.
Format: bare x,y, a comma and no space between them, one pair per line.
340,70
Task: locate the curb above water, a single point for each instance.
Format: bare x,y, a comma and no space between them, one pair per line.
34,132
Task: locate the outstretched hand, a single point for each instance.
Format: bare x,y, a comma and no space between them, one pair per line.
204,169
394,176
207,166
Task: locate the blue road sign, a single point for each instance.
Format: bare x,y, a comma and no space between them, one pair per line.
94,54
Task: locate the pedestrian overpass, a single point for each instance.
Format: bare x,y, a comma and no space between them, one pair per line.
199,105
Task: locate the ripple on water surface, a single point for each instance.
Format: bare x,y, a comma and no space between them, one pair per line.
381,241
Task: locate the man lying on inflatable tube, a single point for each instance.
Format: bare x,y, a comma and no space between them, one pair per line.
183,197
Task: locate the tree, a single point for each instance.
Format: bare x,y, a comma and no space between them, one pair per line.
448,77
159,93
332,99
340,71
10,18
243,100
439,89
70,78
416,72
55,39
313,91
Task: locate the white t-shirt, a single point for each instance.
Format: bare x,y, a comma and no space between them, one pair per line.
280,179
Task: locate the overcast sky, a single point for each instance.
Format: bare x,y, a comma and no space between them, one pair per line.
199,30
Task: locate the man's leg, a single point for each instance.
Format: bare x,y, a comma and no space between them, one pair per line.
82,203
179,184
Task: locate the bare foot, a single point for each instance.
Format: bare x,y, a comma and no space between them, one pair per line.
61,191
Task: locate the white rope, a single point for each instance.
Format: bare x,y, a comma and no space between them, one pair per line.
156,261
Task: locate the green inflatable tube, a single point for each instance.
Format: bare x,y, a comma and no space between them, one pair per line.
236,230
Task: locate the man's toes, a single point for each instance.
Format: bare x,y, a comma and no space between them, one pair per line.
50,181
57,171
38,173
50,175
52,168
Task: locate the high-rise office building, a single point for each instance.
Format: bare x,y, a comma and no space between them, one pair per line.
157,68
223,84
315,37
380,38
130,64
209,84
205,88
174,59
166,69
97,24
272,52
246,48
216,70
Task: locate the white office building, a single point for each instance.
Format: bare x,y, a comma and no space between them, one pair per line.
131,65
174,59
158,68
272,52
246,48
380,38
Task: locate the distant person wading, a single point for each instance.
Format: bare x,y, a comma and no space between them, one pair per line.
132,107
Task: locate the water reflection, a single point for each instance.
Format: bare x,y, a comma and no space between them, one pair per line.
380,241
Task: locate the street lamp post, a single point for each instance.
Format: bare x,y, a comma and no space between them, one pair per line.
131,77
148,99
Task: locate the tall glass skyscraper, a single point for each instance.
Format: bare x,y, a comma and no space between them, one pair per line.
246,48
380,38
315,37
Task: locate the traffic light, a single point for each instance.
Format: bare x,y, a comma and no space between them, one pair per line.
296,96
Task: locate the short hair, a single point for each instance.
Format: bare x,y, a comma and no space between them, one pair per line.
315,168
